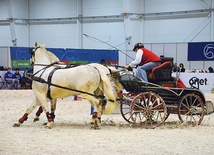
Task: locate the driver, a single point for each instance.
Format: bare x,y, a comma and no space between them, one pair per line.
145,61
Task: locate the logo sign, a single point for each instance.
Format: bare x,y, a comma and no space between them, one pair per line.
203,51
209,51
195,82
21,64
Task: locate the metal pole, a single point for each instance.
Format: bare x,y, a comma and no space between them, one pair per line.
12,23
79,24
212,22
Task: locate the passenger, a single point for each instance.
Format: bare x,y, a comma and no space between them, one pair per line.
145,60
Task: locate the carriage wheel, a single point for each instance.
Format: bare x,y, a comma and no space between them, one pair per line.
191,109
167,115
124,110
148,110
125,107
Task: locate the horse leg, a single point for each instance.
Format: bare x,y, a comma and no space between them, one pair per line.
38,113
96,120
40,110
45,106
101,108
53,108
48,115
34,104
96,117
103,105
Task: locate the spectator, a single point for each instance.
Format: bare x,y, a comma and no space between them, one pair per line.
103,62
8,77
175,67
27,82
181,67
2,68
211,70
17,79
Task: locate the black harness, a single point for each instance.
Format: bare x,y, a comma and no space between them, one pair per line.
49,81
41,80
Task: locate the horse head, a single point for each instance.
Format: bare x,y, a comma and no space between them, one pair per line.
33,52
115,77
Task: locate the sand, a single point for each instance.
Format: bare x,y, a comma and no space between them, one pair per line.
71,133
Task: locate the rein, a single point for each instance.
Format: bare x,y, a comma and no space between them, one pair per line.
41,80
43,69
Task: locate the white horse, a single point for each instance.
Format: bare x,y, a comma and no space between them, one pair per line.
110,71
81,80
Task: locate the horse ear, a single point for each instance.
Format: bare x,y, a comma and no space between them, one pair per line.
43,46
32,51
36,44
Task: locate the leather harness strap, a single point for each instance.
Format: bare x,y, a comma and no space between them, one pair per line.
49,82
41,80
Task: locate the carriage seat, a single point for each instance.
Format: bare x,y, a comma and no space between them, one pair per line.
162,72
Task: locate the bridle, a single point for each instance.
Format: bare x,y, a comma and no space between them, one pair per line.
41,80
32,52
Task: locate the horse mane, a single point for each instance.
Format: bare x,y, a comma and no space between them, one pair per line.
48,54
53,57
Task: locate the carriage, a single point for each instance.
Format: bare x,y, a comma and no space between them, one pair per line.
148,104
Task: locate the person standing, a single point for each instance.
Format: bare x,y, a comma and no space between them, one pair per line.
145,60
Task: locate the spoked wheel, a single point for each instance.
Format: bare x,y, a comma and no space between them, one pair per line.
167,115
191,109
148,110
125,108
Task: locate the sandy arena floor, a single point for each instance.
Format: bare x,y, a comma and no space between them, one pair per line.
71,133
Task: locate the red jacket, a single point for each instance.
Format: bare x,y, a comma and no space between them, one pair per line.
149,56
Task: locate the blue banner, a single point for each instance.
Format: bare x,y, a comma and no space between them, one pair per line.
72,55
203,51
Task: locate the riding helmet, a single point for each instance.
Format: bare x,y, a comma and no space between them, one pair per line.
138,45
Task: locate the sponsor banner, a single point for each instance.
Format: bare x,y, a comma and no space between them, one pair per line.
78,62
203,51
66,61
21,64
20,56
201,81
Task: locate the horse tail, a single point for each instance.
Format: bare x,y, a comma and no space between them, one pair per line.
109,93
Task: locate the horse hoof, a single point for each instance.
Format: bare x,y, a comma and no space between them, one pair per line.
45,123
36,120
47,127
16,125
95,128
